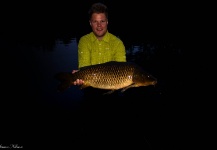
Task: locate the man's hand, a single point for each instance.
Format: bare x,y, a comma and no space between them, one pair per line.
78,81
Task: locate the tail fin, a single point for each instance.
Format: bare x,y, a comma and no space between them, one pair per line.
65,79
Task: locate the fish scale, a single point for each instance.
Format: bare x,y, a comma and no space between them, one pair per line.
104,78
110,76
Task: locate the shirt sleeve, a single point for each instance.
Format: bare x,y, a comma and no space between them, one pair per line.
83,53
120,54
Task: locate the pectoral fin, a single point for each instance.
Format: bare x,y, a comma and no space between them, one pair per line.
130,86
109,92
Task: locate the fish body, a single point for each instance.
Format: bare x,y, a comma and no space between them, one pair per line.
109,76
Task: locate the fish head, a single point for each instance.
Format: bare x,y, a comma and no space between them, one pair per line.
144,79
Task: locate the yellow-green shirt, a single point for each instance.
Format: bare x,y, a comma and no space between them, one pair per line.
92,51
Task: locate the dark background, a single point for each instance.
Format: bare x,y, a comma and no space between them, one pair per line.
149,20
159,118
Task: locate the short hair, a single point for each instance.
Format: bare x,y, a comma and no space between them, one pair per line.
98,8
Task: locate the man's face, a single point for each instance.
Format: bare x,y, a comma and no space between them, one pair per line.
99,23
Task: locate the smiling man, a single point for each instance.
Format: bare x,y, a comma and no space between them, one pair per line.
99,46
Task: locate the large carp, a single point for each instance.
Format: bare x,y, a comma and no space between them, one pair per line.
110,76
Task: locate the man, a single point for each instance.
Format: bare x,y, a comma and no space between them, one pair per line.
99,46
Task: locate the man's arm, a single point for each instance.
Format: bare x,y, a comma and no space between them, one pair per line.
83,53
120,54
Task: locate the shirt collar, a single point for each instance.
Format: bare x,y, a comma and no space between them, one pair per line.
105,38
